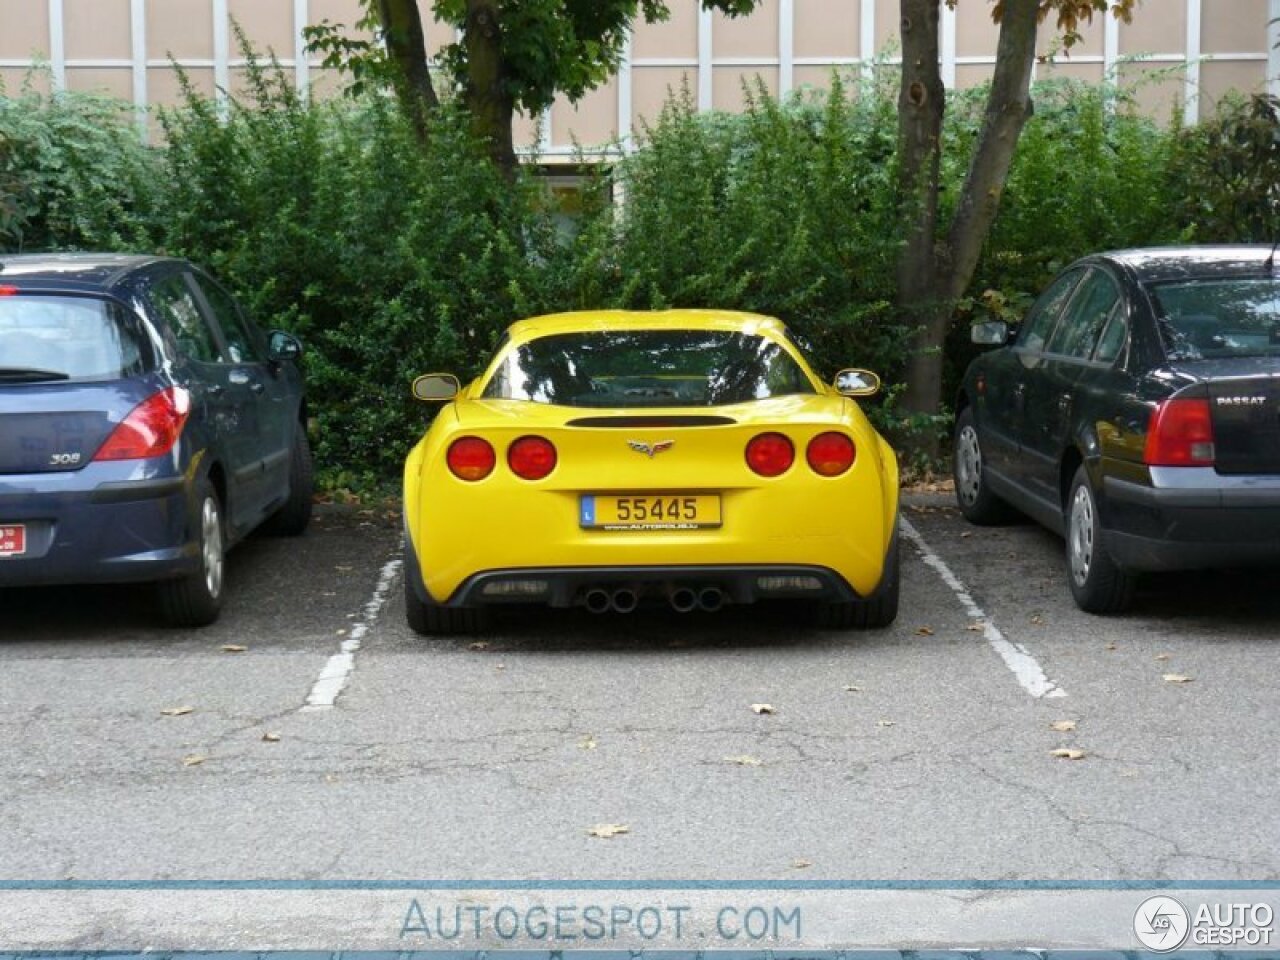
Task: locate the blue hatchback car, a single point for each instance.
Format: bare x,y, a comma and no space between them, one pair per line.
146,425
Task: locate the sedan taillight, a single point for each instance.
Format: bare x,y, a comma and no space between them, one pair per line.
151,428
770,454
830,454
471,458
1180,434
531,458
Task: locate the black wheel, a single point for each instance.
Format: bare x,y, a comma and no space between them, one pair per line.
1097,583
877,611
978,504
196,599
292,518
431,619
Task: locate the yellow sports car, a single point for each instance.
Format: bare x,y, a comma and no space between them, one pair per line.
609,459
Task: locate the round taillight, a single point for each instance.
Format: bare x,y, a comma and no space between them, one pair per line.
770,454
531,458
471,458
830,454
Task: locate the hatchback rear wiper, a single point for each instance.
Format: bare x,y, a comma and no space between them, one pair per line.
30,375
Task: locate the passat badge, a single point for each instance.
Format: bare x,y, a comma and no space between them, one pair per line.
651,449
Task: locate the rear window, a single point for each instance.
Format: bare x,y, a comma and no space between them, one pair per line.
45,338
1203,319
647,368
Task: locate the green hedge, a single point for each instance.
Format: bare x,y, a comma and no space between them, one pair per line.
332,220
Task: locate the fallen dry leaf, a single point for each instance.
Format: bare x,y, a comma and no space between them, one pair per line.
1037,619
976,627
194,760
1063,726
1177,678
745,761
587,743
270,737
1162,656
924,631
606,831
176,711
1068,753
478,645
762,708
234,648
1111,646
800,863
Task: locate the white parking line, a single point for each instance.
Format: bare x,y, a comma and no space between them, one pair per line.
333,678
1029,673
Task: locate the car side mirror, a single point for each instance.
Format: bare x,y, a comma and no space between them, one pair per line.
436,387
992,333
855,382
283,346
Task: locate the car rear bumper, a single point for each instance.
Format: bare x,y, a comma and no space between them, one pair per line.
97,525
1193,518
710,585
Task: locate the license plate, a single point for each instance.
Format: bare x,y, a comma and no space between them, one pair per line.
667,511
13,540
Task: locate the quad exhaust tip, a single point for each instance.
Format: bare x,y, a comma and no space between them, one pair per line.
627,599
682,600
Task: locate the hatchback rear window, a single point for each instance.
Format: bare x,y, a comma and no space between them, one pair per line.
1203,319
647,368
46,338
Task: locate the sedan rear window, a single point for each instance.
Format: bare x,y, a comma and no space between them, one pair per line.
1203,319
647,368
45,338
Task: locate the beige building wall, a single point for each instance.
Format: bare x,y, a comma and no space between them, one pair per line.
1181,54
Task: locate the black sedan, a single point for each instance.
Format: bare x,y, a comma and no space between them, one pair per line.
145,426
1136,413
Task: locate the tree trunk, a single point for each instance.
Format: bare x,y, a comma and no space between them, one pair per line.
489,102
407,47
921,102
1008,108
933,275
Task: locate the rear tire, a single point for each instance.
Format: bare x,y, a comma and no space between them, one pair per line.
430,619
291,520
973,494
1098,584
196,599
874,613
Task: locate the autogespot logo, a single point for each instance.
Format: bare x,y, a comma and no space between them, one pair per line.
1161,924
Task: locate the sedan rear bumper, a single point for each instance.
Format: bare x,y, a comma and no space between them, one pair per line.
1193,518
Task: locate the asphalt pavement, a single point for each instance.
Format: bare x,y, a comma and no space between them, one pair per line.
921,751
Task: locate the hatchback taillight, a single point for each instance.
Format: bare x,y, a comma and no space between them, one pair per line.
151,428
830,454
471,458
1180,434
770,454
531,458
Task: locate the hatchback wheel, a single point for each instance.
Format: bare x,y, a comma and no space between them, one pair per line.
978,504
1097,583
196,599
292,518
